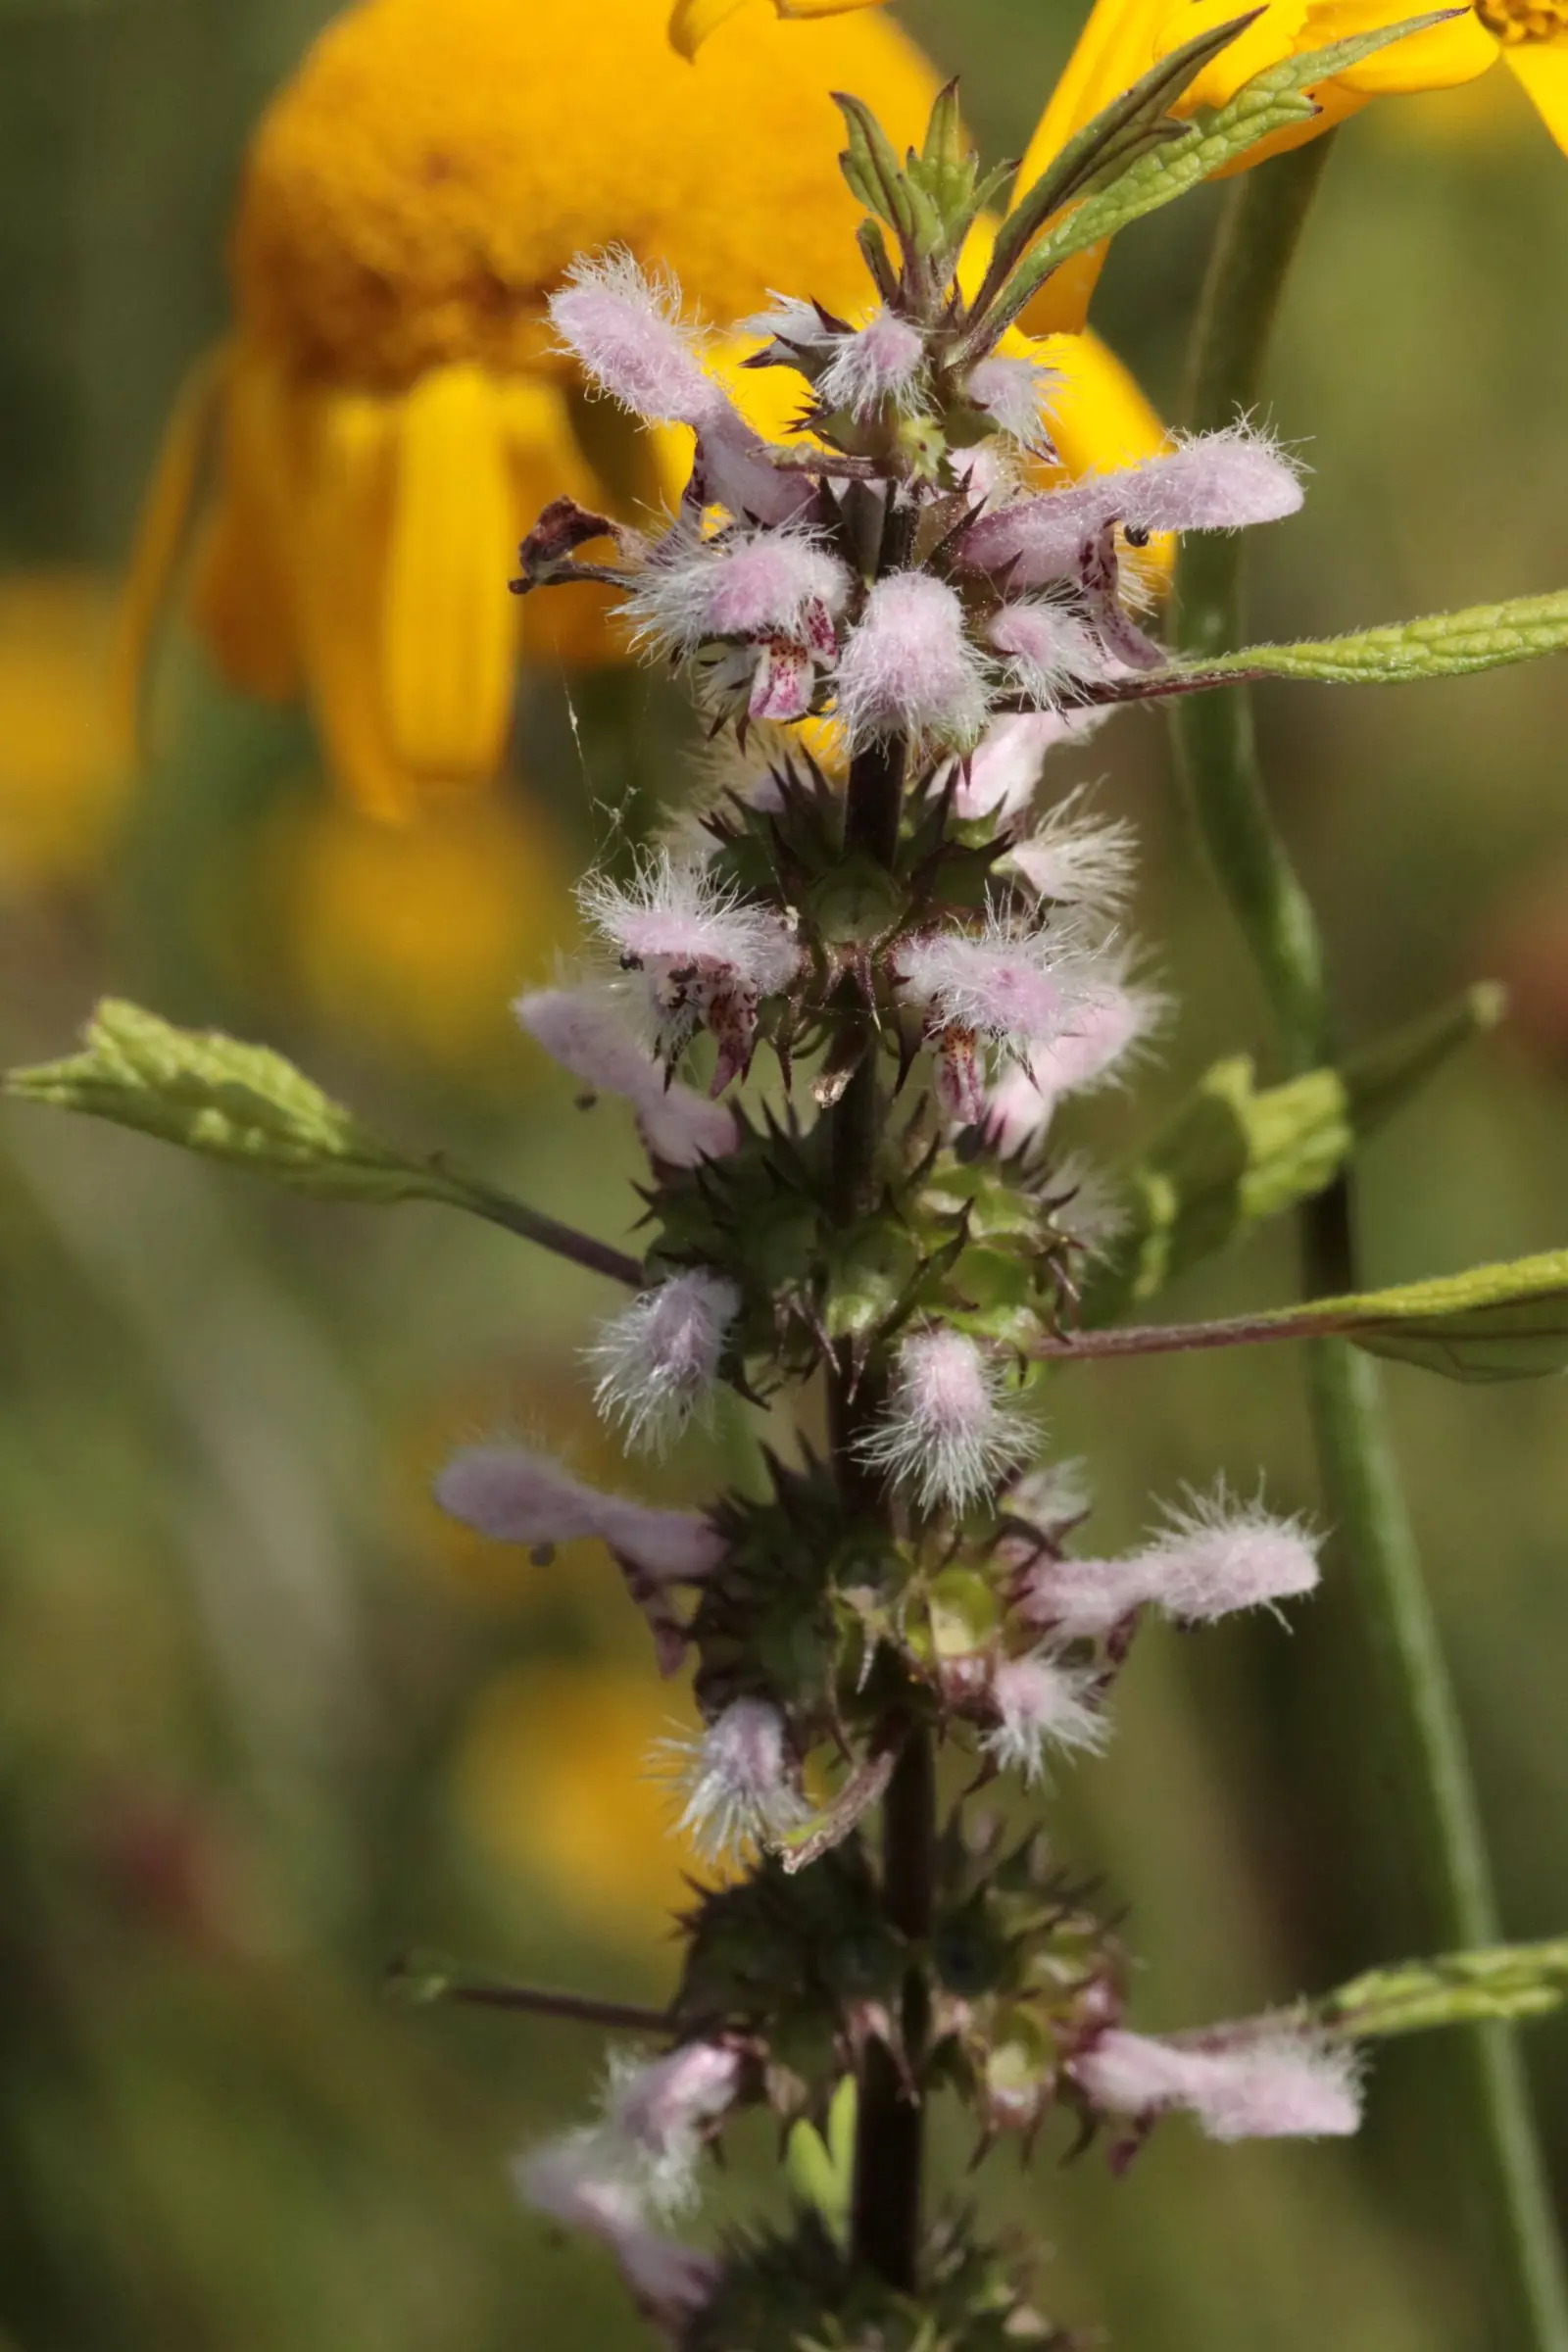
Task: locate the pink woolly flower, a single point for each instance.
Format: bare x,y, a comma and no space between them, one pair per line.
1214,482
740,1780
658,1360
1039,1705
707,955
1007,983
756,584
948,1431
662,2110
1052,653
583,1031
514,1496
1210,1561
1003,776
625,327
1218,1556
1076,859
1105,1027
909,668
1283,2086
882,364
1014,393
568,2182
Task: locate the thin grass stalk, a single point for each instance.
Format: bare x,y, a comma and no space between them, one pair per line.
1506,2192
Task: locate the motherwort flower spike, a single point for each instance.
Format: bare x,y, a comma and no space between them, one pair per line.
904,625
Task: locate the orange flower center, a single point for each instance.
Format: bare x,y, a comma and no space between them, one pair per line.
1517,21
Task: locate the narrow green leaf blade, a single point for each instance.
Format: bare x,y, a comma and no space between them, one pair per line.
1274,100
1440,645
1507,1983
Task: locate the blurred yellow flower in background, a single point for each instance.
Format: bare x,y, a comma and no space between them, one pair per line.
414,935
555,1782
390,413
62,786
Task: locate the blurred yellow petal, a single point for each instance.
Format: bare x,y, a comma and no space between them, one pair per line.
1542,69
450,621
63,782
243,592
414,937
1439,59
553,1782
160,543
692,21
346,522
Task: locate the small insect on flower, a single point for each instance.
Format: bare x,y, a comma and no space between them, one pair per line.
1219,481
515,1495
658,1360
950,1430
585,1031
1036,1704
567,2181
709,957
908,667
740,1782
1284,2086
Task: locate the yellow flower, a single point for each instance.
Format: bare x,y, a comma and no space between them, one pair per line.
553,1781
390,413
62,787
415,936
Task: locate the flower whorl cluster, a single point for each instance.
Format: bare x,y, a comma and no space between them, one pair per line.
899,614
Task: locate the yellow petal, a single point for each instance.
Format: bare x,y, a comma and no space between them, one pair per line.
1115,46
346,521
448,645
1273,37
692,21
243,591
160,538
1437,60
1542,67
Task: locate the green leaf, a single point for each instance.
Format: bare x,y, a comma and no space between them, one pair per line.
1509,1982
1237,1153
1503,1322
230,1102
1112,140
248,1108
1274,100
822,2172
1440,645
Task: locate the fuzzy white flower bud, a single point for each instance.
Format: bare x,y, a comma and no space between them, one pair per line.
1211,1559
910,668
740,1780
658,1360
948,1431
1040,1704
575,2183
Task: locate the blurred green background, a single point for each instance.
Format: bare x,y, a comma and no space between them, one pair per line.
264,1721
